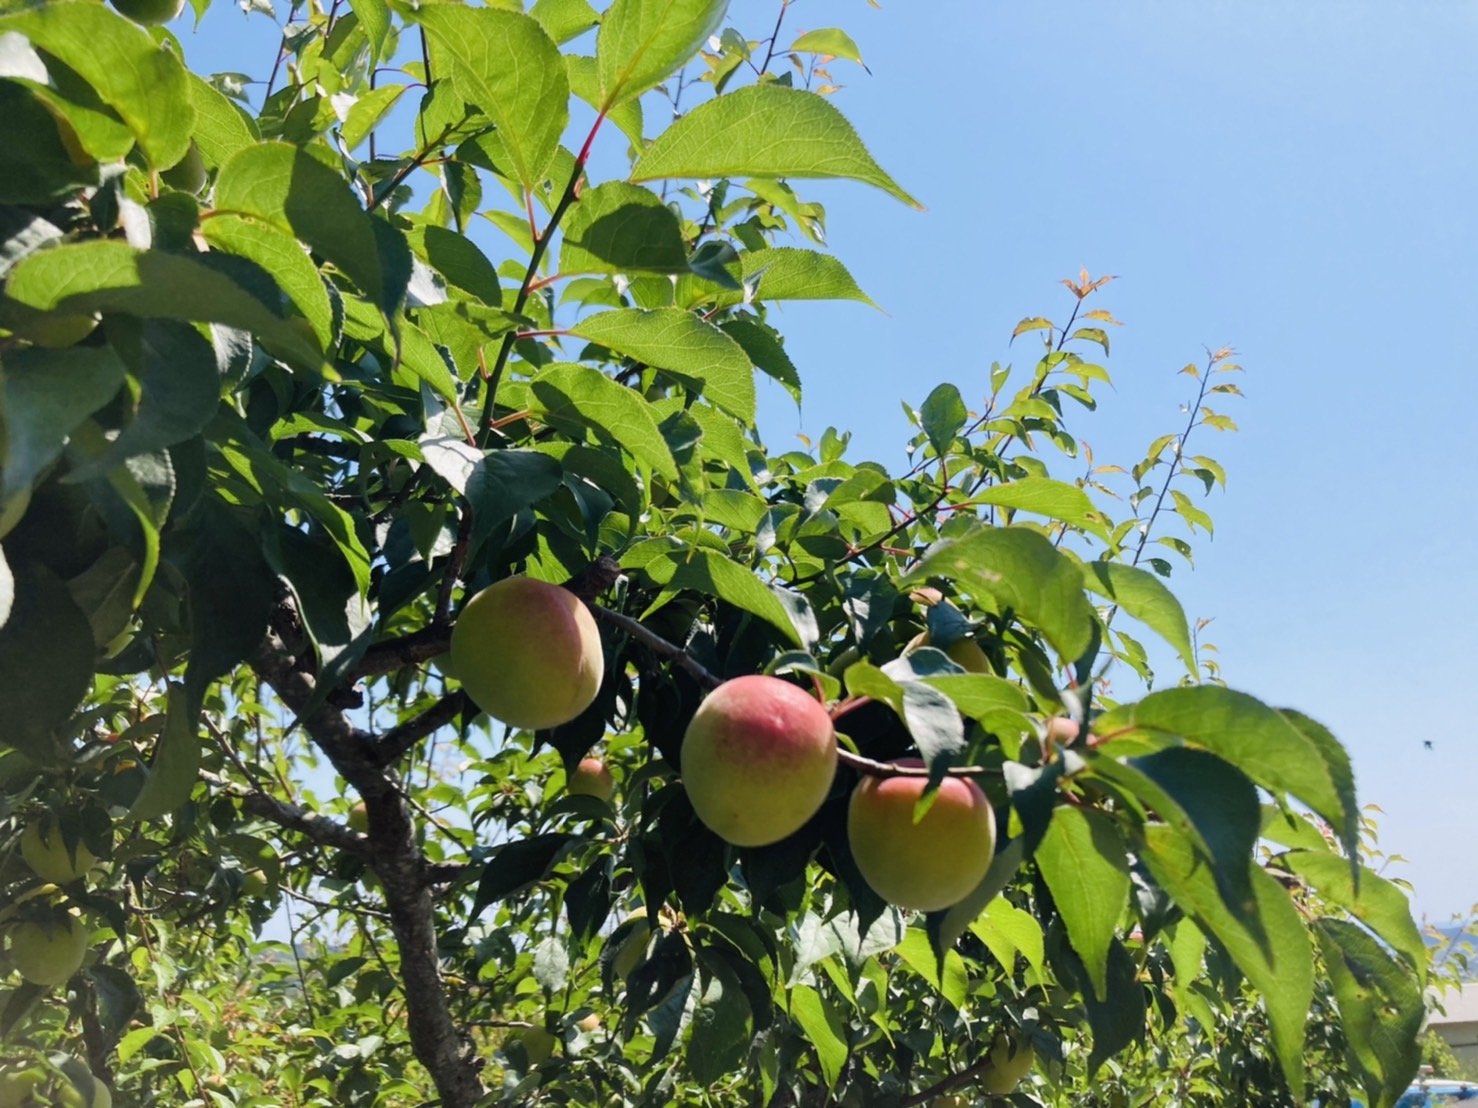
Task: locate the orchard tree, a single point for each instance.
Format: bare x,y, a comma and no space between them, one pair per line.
391,561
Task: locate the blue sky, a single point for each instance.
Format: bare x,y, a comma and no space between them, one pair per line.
1292,180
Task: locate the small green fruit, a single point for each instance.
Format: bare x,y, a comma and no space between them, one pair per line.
48,953
538,1045
150,11
359,818
44,849
188,174
1009,1062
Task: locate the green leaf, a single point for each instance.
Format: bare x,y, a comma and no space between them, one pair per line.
1047,497
1239,729
764,131
46,652
374,17
679,343
1021,570
1275,956
176,764
1375,902
577,397
1007,930
1337,761
942,415
1213,804
1082,859
1118,1020
763,346
620,228
642,42
934,722
1142,596
978,695
298,194
830,41
497,483
367,112
564,19
36,164
1380,1008
142,81
720,1034
111,276
459,261
945,928
714,574
279,254
823,1026
221,128
506,64
516,866
179,388
46,395
948,974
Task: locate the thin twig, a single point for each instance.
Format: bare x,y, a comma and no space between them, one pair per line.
658,645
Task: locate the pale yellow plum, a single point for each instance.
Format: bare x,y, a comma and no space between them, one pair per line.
528,653
758,759
591,778
1009,1062
48,953
929,864
44,849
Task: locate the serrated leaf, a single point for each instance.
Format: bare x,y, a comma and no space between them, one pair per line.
1082,859
564,19
643,42
576,396
1337,762
1143,597
108,275
712,574
176,763
1048,497
620,228
1007,931
679,343
296,193
1241,730
823,1026
142,81
942,414
221,128
374,17
763,346
1276,956
1375,902
280,255
506,64
948,974
933,721
516,866
774,274
764,131
1022,570
829,41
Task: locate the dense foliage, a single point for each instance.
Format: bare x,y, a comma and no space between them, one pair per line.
277,401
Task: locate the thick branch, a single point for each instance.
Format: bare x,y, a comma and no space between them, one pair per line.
294,817
390,655
397,860
953,1081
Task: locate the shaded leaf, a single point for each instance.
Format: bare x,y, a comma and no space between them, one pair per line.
1143,597
577,397
620,228
176,762
642,42
47,394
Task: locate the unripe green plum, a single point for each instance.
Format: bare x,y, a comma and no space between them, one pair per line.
150,11
18,1087
1009,1062
48,953
967,654
758,759
188,174
359,818
633,948
528,653
591,778
930,864
44,849
538,1045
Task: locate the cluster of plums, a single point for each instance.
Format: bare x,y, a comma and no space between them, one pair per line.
758,758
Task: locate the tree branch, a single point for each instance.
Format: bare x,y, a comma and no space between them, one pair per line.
657,645
396,742
395,855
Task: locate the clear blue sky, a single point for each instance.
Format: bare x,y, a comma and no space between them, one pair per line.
1295,180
